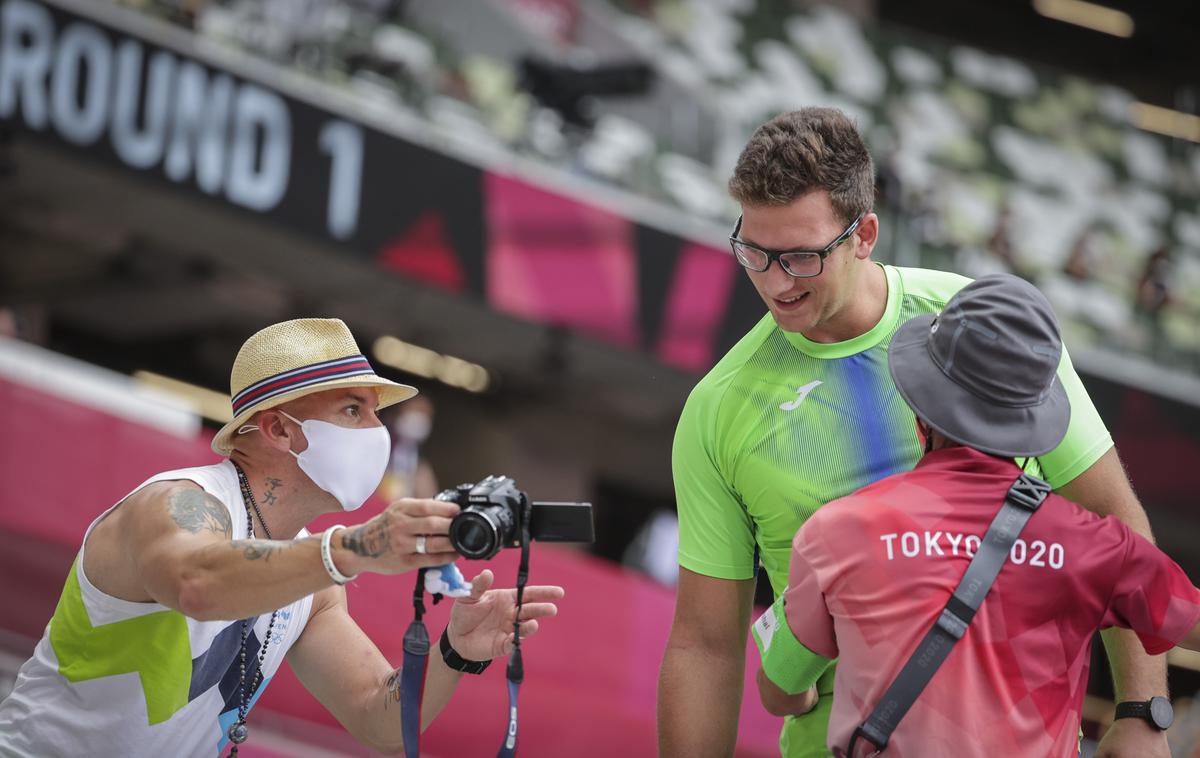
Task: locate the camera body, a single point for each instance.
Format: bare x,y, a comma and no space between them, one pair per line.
493,513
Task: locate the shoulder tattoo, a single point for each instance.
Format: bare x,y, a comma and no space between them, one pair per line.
198,511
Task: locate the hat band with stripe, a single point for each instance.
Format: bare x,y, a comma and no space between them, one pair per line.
314,373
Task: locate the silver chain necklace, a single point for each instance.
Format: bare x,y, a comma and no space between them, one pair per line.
238,731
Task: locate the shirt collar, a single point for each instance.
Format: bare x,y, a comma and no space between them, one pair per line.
960,458
865,341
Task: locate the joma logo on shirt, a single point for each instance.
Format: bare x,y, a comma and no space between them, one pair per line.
939,544
801,393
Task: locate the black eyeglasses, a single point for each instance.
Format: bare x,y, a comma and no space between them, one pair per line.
799,262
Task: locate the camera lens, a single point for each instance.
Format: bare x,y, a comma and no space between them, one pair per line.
480,531
474,535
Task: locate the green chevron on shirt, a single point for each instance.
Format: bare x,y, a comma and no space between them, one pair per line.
156,646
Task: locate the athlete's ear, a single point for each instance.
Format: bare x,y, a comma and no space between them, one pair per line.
867,235
924,433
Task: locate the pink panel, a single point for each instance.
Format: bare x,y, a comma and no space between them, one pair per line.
698,298
554,260
61,464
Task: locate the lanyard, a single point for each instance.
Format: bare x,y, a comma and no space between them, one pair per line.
416,653
515,671
412,675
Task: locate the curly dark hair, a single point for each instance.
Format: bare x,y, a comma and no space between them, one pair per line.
803,151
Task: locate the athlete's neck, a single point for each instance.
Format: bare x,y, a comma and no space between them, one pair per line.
866,306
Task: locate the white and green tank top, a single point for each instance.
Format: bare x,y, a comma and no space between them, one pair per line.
113,677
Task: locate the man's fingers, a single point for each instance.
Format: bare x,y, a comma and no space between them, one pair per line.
426,525
432,545
538,610
415,507
540,593
480,583
528,628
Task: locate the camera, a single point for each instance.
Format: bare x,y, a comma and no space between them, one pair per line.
492,514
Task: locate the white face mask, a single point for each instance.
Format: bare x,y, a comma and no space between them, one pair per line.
346,463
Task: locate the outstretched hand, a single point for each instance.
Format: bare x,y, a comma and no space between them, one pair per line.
481,625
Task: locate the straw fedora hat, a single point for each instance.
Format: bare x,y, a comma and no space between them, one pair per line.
296,358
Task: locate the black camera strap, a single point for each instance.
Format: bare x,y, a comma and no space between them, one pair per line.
515,671
412,675
1023,499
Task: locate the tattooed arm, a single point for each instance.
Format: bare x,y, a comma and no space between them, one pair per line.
171,542
345,671
178,550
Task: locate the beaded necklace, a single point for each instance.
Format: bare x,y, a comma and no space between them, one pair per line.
238,731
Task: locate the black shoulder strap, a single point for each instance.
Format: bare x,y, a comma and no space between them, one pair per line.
1023,498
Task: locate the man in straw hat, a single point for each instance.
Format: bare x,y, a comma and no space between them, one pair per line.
871,572
188,593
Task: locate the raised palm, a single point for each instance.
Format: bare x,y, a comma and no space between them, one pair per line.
481,625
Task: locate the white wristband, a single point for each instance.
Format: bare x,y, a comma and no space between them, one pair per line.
327,556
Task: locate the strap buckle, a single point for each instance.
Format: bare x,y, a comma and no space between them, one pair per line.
871,735
1028,492
951,624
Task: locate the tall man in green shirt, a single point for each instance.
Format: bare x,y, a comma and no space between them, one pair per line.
802,411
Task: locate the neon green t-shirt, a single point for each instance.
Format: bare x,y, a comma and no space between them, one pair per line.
782,425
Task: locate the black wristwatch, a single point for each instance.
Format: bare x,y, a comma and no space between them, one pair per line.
456,661
1156,710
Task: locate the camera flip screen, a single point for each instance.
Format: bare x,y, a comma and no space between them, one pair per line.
563,522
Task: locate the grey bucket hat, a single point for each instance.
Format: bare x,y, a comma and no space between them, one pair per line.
984,372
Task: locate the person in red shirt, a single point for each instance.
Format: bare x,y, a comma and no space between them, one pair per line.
871,572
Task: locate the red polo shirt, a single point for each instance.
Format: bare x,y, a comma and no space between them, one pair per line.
870,572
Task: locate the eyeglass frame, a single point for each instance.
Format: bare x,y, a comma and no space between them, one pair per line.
777,255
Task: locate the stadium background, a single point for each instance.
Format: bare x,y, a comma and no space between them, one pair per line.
518,206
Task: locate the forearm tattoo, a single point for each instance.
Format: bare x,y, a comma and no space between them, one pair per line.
198,511
369,540
262,550
254,550
391,689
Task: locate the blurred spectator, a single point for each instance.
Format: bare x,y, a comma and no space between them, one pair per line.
889,190
8,323
408,473
1154,294
1000,244
996,256
24,322
1082,262
925,219
1080,297
1153,289
656,547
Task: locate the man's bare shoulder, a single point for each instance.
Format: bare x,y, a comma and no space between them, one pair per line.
184,502
118,544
